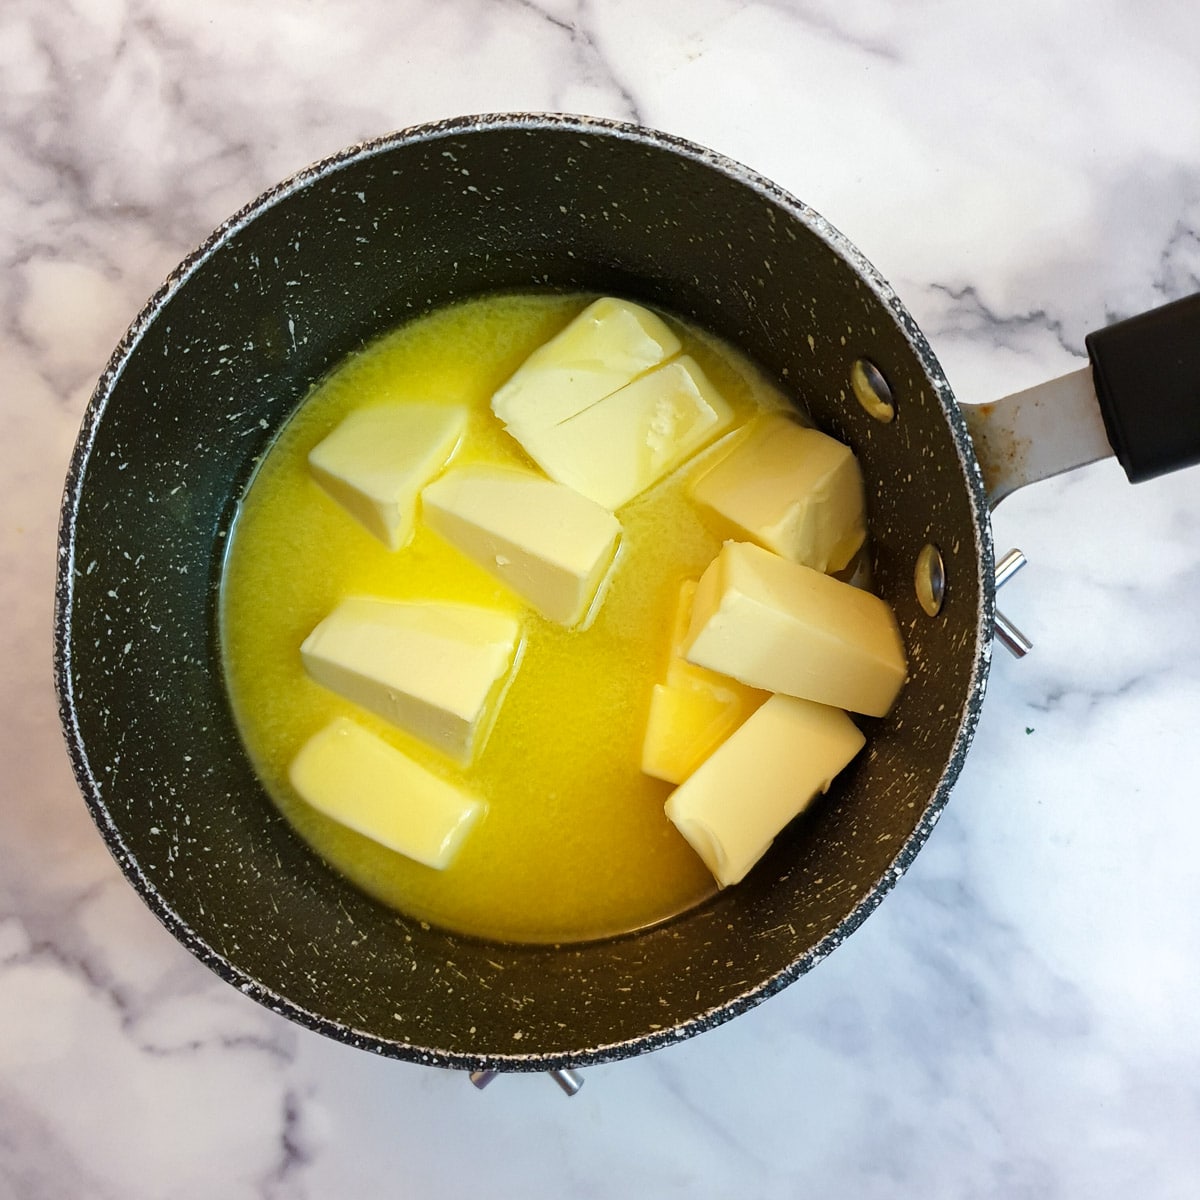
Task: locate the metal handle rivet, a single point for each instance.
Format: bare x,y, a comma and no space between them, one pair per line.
872,390
929,576
1009,636
570,1081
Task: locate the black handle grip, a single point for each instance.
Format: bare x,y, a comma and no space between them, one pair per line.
1147,376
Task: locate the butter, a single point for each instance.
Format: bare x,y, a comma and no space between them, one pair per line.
683,727
792,490
375,463
548,543
434,670
783,627
609,344
628,441
358,780
767,772
694,711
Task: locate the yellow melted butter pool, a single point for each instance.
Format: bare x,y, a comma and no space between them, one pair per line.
574,844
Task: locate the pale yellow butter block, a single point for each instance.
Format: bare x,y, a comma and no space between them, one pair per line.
767,772
791,489
684,726
625,443
377,460
694,710
548,543
783,627
434,670
681,673
358,780
610,343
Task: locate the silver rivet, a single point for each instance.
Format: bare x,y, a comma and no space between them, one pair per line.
1010,637
872,390
930,579
569,1080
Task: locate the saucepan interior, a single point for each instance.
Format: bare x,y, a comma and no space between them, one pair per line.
191,400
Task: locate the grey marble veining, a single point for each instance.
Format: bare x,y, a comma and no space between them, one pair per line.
1018,1019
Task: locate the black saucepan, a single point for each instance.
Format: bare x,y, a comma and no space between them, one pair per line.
213,366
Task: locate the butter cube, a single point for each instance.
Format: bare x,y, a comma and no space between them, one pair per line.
768,771
791,489
625,443
551,545
434,670
360,781
694,711
784,627
610,343
684,726
375,463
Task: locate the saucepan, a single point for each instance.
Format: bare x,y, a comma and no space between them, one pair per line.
318,266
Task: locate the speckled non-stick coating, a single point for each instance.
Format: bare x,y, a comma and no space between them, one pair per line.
190,401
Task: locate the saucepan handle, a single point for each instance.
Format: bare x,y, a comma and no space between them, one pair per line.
1138,398
1147,376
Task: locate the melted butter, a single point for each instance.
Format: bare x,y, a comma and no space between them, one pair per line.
575,844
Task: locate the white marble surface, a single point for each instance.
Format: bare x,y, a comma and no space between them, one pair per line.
1020,1018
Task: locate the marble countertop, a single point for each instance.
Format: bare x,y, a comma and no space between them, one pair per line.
1020,1017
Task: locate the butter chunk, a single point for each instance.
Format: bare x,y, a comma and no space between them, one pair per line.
768,771
358,780
434,670
694,711
791,489
609,344
377,460
784,627
684,726
551,545
625,443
